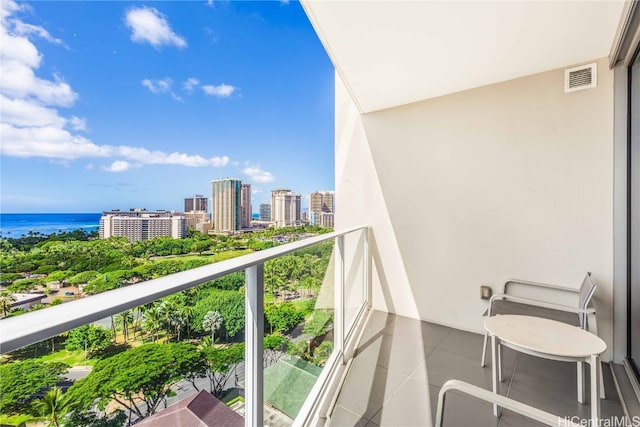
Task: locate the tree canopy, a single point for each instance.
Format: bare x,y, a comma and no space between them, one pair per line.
143,373
90,337
21,381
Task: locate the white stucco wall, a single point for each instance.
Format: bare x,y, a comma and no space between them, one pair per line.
509,180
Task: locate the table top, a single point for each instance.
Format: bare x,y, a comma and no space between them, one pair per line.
544,335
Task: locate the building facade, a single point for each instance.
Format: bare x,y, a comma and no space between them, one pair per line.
196,203
141,224
321,201
265,212
226,196
322,219
196,212
285,208
246,210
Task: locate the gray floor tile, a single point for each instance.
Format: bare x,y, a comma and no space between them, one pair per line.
394,353
367,387
511,419
411,329
443,366
463,411
556,396
377,323
549,369
342,417
407,407
464,343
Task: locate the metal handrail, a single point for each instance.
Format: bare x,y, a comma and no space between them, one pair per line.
503,401
33,327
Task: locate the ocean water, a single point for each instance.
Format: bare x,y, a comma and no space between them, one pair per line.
19,224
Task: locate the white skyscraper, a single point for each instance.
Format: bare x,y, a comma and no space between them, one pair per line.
285,208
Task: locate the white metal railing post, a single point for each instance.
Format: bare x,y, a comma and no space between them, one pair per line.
338,294
254,330
366,265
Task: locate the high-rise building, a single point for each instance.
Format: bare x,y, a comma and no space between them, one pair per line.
196,212
196,203
321,201
245,206
322,219
265,212
285,208
226,204
141,224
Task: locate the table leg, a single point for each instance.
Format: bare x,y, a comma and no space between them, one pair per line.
500,379
580,376
495,372
594,364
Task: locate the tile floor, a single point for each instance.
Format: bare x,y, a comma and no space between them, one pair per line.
401,364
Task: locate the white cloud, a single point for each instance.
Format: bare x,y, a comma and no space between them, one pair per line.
222,90
148,25
77,123
90,166
190,84
158,86
24,29
31,125
256,174
117,166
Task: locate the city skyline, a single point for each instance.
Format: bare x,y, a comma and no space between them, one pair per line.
114,104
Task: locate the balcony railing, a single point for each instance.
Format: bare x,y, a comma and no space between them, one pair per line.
351,299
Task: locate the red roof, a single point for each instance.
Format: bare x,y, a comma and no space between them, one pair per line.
201,410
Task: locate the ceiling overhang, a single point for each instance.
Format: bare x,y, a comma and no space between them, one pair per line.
391,53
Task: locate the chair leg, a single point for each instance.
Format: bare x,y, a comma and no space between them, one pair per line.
484,349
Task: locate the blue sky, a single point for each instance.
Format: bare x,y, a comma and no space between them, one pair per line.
140,104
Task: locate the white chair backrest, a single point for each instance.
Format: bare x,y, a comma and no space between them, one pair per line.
587,289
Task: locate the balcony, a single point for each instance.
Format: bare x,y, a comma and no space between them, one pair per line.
401,364
385,369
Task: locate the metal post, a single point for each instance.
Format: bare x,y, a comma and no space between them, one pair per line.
594,364
338,293
497,411
580,376
254,330
367,266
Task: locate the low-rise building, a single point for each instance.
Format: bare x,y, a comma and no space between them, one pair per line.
141,224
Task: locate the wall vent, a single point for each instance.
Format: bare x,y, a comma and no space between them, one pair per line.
582,77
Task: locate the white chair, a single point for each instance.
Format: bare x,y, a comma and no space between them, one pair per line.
581,314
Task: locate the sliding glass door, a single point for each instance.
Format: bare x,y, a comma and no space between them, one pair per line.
633,307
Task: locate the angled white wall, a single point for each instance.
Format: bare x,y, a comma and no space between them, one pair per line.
509,180
360,201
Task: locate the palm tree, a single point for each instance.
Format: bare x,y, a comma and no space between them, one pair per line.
167,310
186,313
6,299
53,406
212,322
124,319
152,320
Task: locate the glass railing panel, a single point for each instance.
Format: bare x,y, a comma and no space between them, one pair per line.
354,277
130,366
199,331
299,337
